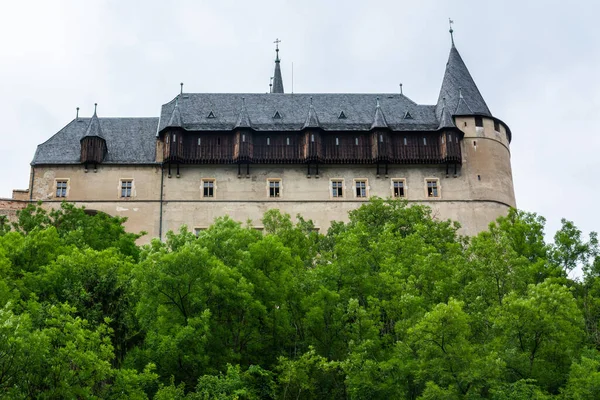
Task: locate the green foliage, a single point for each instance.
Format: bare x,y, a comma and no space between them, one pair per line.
391,304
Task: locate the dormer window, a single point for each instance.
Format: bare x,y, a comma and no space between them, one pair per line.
277,115
407,115
211,115
342,115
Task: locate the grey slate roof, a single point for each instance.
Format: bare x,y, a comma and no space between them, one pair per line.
359,109
94,128
132,140
128,141
379,119
243,120
312,120
175,121
457,81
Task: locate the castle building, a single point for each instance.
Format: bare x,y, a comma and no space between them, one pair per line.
319,155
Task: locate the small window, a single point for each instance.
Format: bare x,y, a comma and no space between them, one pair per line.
208,188
287,141
424,141
211,115
432,188
198,230
497,126
167,139
380,138
443,139
277,115
174,138
61,188
268,141
126,188
274,188
312,138
356,141
243,138
399,188
405,141
342,115
407,115
361,188
479,122
199,141
337,141
449,138
337,188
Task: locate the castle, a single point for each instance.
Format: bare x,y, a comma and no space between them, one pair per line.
318,155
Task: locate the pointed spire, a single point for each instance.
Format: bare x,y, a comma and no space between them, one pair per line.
176,120
459,87
312,121
446,118
277,79
379,119
93,128
243,120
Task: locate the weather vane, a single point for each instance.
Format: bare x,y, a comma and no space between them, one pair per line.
450,22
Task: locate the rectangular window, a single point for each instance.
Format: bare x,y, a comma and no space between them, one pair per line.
337,188
399,188
61,188
497,126
479,121
337,141
424,141
208,188
126,187
287,141
198,230
199,141
274,188
243,138
361,188
405,141
356,141
268,141
432,188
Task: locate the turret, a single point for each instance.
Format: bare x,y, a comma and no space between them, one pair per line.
93,144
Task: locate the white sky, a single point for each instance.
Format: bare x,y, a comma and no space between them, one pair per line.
537,64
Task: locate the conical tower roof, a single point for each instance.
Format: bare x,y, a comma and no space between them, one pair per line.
243,120
459,89
379,119
277,79
175,121
94,128
312,121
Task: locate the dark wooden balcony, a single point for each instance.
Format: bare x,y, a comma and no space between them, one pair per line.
406,148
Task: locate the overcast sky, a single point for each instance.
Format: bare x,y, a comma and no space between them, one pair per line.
537,64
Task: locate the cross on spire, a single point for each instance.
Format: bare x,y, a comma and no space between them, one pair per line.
277,41
450,22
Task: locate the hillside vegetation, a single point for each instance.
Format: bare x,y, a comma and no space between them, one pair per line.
391,305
